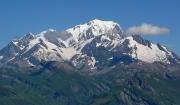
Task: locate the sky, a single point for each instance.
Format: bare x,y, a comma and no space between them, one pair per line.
156,20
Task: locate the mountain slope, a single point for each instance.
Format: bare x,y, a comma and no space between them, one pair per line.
55,83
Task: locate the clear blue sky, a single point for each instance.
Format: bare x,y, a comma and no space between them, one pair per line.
18,17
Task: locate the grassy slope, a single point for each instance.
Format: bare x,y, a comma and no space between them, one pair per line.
58,87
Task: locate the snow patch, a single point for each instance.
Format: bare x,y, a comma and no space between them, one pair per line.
1,57
98,44
30,63
68,53
92,63
145,53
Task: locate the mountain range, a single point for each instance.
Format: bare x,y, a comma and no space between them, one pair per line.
96,63
93,45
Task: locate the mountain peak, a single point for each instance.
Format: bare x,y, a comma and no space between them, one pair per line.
100,22
103,24
94,28
29,35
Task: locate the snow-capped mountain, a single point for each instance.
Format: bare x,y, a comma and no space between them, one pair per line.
95,28
92,45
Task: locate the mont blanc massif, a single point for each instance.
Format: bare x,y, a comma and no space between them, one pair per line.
96,63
